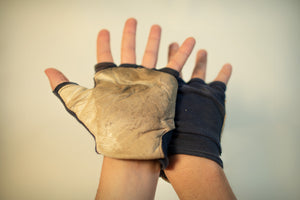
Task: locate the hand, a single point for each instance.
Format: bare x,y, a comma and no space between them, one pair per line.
128,100
128,51
200,111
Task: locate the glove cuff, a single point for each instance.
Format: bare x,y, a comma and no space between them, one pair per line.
195,145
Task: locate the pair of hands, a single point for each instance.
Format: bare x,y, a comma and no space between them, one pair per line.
195,88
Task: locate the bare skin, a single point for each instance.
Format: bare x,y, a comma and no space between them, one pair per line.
196,177
129,179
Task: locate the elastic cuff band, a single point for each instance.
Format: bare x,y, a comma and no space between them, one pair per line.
197,80
195,145
131,65
59,86
218,85
104,65
170,71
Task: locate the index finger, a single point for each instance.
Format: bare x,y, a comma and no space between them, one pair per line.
177,61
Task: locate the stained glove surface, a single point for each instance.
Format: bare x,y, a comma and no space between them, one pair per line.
200,113
130,111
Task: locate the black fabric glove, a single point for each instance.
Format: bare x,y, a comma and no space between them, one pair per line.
199,118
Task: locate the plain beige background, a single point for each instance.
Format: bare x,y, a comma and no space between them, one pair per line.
45,154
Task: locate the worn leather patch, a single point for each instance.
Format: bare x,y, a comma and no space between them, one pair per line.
128,111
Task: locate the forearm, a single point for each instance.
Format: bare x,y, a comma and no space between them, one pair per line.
128,179
198,178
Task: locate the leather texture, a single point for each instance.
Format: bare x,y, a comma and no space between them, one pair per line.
128,111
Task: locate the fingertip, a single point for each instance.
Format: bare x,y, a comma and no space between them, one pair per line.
55,77
228,65
191,40
173,48
201,53
103,38
174,45
225,73
156,27
189,45
131,21
155,32
49,71
227,69
46,71
103,32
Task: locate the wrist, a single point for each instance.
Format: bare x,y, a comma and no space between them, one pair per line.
133,166
198,178
131,178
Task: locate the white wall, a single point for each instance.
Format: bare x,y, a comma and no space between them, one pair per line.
45,154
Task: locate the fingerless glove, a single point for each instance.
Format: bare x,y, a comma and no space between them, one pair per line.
129,112
199,118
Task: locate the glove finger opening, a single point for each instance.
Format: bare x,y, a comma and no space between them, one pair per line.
104,65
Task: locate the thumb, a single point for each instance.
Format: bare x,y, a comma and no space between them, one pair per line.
55,77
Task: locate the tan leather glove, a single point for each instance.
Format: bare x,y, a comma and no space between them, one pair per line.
130,111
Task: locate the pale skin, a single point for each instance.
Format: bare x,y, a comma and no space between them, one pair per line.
136,179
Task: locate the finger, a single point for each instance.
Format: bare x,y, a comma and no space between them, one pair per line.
177,61
200,67
151,52
55,77
103,47
173,48
224,74
128,42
